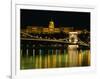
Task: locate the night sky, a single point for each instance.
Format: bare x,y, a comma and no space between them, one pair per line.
31,17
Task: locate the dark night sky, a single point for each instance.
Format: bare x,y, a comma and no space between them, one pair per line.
61,18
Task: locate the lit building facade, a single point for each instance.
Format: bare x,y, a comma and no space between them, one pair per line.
51,29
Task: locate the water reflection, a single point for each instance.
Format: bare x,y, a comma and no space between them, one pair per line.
70,56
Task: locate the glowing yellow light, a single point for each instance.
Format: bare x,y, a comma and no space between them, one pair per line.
51,25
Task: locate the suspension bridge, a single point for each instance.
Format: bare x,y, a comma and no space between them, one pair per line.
61,41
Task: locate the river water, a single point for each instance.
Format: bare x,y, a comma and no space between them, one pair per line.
55,58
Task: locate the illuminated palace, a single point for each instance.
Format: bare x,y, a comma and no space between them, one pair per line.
51,29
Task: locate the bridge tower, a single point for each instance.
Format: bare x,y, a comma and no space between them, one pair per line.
73,38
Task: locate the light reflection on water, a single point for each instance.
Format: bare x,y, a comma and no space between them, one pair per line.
55,58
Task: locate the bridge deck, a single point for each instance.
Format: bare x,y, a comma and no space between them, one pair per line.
55,41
